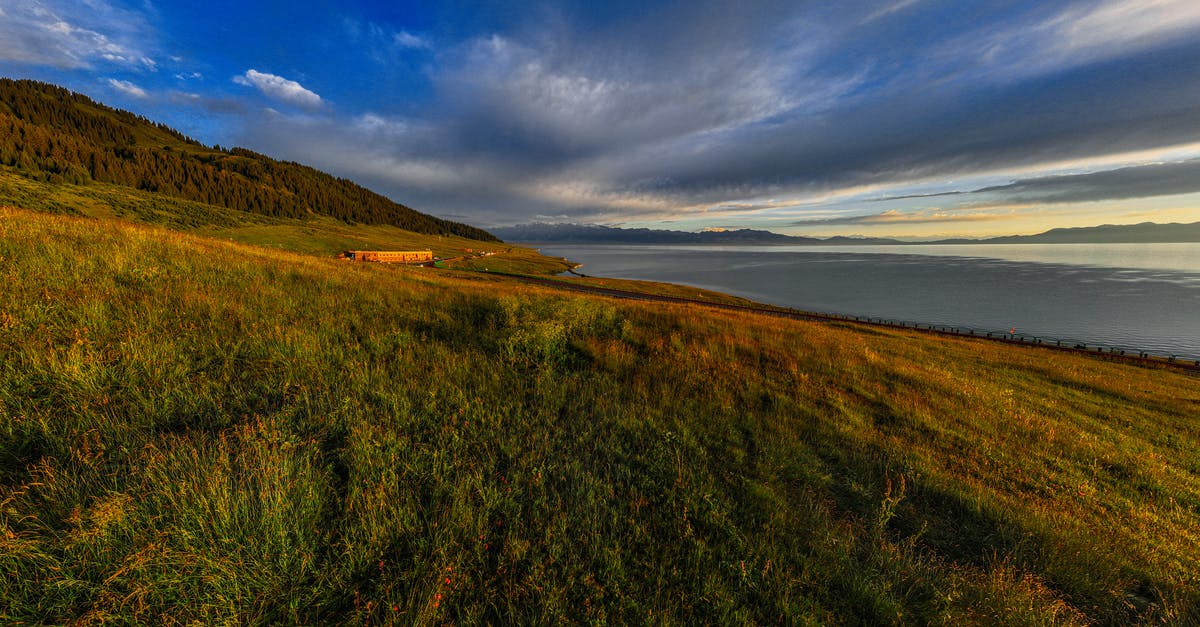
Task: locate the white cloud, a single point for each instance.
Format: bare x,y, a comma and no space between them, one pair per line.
383,43
894,7
128,88
37,33
1083,33
279,88
1122,25
388,129
405,39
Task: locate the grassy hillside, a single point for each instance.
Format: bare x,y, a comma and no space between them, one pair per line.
197,430
315,235
53,135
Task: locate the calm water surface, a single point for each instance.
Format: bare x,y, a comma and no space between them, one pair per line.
1131,296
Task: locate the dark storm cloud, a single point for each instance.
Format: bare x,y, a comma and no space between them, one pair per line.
515,117
1143,181
717,104
1160,179
1094,112
566,96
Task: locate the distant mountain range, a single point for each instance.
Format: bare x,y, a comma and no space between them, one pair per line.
1145,232
1141,233
595,234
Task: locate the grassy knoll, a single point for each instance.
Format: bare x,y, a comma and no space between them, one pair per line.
197,430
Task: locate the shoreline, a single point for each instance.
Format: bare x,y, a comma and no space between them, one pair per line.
1142,357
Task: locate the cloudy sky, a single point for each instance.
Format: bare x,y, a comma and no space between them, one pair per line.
911,118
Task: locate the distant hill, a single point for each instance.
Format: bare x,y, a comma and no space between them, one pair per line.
595,234
1143,233
1146,232
51,134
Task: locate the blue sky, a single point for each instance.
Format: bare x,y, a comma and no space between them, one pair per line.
912,118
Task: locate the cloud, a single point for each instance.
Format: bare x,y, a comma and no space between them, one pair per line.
383,43
565,97
1116,27
1143,181
914,196
894,7
279,88
128,88
1050,38
764,108
405,39
1138,181
893,216
45,33
208,104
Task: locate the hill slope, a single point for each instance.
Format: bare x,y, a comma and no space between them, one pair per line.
319,235
54,135
194,430
1145,232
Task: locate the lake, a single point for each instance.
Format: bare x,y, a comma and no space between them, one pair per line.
1128,296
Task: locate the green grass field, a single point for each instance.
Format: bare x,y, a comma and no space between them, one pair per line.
194,430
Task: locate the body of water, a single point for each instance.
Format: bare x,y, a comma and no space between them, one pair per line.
1129,296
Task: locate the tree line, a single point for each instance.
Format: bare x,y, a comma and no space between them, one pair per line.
52,134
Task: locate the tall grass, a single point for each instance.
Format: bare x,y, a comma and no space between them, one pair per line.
194,430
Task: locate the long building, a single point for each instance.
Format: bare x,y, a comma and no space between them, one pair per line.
390,256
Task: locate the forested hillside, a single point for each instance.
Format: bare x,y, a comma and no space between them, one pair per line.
51,134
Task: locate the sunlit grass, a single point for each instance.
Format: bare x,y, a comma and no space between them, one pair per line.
317,235
197,430
511,259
